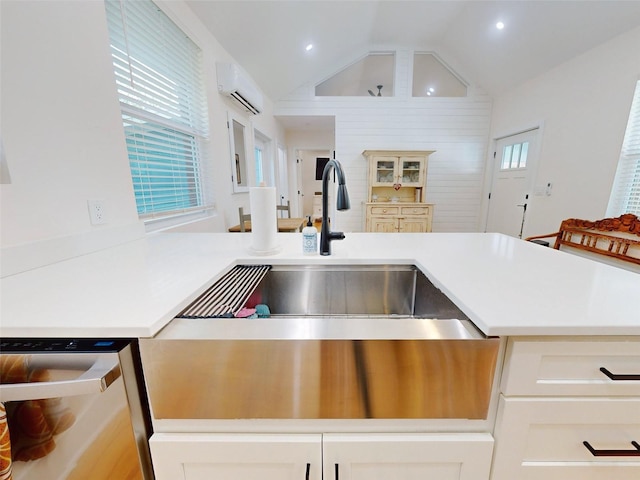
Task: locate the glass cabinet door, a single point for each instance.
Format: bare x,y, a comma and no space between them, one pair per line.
411,172
385,172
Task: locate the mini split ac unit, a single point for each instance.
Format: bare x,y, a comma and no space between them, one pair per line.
233,82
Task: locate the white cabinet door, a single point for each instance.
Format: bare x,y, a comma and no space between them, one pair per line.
181,456
407,456
204,456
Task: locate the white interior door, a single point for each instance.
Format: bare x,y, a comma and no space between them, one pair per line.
282,184
513,176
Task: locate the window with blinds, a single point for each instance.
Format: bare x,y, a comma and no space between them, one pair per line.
159,79
625,194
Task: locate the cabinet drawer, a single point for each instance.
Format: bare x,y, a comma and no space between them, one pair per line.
413,210
543,439
386,210
557,367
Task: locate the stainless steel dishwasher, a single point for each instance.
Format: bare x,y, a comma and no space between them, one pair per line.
341,342
75,409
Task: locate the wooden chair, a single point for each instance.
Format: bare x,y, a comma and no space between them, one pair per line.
617,238
244,217
284,208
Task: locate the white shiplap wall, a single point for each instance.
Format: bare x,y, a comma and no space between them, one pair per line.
457,129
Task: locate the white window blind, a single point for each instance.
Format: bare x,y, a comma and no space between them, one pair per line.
159,80
625,194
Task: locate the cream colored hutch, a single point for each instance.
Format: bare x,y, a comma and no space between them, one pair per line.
397,184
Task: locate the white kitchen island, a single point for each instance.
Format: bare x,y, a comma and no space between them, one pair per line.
561,319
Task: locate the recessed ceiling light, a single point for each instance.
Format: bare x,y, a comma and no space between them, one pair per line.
431,89
309,47
499,25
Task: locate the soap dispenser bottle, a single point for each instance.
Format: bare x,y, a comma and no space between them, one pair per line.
309,239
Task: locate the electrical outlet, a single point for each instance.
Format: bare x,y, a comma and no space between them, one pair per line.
97,212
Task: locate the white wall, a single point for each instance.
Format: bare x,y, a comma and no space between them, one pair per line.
583,106
61,131
63,136
456,128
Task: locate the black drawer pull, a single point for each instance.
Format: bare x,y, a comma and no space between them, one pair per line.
337,472
620,376
614,453
306,477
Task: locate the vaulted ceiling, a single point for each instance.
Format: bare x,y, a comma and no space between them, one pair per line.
268,38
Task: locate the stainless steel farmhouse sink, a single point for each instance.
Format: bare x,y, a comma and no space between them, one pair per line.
342,342
389,290
354,290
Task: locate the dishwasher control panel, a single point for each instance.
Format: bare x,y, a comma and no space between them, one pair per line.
61,345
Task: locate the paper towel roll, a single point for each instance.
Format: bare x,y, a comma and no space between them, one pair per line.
264,224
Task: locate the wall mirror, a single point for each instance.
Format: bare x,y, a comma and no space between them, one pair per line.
238,148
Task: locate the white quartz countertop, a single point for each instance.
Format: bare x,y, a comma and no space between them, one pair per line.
506,286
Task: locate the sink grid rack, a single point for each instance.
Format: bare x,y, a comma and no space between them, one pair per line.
228,294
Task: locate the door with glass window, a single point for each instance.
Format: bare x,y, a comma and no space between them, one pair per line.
513,176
